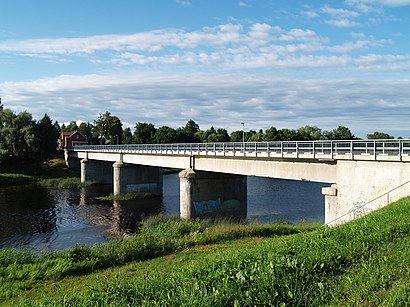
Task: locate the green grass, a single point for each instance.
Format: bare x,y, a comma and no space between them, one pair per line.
208,263
15,179
127,196
52,174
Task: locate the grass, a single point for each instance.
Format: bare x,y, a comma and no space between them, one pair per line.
52,174
208,263
127,196
16,179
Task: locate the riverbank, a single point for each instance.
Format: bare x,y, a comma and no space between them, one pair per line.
53,173
362,263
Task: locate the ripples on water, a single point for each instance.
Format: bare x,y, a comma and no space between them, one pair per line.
42,219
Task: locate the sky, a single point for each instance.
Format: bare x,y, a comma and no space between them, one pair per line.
281,63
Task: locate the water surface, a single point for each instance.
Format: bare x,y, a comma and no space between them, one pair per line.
42,219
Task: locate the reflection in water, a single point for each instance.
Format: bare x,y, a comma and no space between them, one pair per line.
127,215
26,211
41,219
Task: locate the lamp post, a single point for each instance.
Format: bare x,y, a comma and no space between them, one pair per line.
243,136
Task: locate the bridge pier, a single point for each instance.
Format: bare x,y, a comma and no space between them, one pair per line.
137,178
209,194
96,171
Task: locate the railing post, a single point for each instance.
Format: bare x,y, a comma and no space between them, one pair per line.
375,150
401,150
351,149
297,150
281,149
314,149
268,148
331,150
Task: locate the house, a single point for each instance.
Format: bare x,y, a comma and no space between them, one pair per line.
69,139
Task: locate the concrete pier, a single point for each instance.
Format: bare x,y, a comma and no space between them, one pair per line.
137,178
209,194
96,171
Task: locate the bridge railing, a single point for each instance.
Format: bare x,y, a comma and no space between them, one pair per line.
397,149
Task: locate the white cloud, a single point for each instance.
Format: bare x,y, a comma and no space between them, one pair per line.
375,6
222,100
342,23
339,13
184,2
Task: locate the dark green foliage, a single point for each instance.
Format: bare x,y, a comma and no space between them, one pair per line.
108,127
379,135
165,135
47,136
144,133
340,133
127,137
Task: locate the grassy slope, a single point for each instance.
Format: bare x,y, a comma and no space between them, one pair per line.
365,263
53,174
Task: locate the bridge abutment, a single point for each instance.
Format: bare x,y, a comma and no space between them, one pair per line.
71,162
364,186
137,178
96,171
209,194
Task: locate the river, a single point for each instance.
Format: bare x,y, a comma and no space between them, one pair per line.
42,219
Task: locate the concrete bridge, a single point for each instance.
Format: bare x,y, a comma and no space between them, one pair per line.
363,175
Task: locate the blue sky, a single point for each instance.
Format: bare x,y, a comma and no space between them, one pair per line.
263,62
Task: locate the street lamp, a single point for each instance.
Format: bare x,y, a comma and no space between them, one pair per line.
243,135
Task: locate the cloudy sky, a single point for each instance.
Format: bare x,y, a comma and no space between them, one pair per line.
282,63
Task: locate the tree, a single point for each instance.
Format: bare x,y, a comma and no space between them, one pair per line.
165,135
340,133
46,135
72,127
309,133
237,136
17,135
257,137
287,135
187,133
271,134
127,136
86,129
108,127
222,135
144,133
211,135
379,135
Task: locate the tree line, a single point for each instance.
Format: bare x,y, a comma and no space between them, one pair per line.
24,139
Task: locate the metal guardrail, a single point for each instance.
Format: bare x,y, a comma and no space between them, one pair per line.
396,150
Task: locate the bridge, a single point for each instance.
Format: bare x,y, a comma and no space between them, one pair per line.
363,175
